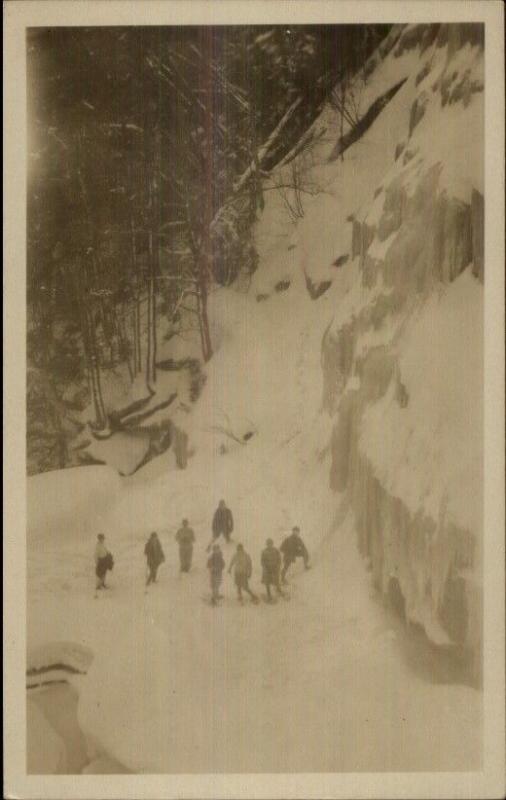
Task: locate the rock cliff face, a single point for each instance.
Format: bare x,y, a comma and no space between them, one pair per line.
402,360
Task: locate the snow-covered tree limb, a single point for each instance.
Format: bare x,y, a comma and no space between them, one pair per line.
266,146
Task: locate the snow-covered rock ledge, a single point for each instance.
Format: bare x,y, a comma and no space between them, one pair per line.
402,360
407,447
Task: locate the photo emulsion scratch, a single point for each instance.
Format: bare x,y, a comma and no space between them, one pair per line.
255,310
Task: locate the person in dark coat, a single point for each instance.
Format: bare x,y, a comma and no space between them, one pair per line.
243,568
223,523
271,563
215,565
154,556
103,561
185,537
293,547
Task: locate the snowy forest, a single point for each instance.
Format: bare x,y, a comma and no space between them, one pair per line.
255,277
150,154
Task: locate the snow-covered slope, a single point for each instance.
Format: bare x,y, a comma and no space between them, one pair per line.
344,396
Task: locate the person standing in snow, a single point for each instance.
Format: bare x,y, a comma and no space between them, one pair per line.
215,565
154,555
185,538
103,561
223,523
293,547
271,563
241,562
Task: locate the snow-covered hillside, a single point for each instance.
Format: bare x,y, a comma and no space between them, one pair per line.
345,396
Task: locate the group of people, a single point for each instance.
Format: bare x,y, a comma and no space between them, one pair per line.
274,563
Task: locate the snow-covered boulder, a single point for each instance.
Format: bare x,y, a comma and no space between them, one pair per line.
56,661
122,451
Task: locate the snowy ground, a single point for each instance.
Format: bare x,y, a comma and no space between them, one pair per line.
319,683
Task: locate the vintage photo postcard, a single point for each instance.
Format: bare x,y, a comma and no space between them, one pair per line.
254,399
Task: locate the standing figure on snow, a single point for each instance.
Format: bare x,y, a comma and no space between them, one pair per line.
215,565
185,538
223,523
103,561
154,556
293,547
241,562
271,563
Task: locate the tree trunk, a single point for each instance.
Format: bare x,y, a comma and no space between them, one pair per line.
151,321
138,333
134,340
137,360
124,342
90,353
98,400
206,332
154,263
343,106
205,335
205,270
93,237
54,401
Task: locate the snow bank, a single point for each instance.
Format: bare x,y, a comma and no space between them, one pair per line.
56,661
45,750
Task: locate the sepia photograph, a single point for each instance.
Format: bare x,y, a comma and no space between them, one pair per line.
252,324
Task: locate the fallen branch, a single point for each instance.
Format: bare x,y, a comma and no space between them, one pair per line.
137,419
